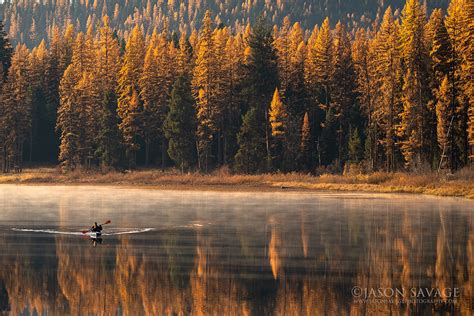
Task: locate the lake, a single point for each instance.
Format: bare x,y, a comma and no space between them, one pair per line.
223,253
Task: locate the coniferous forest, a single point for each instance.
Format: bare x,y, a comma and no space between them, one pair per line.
280,91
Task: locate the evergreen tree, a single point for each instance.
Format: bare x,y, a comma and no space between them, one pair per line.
416,116
184,58
6,52
294,93
68,121
278,116
16,109
411,120
108,62
354,146
155,87
59,58
223,89
343,99
283,50
318,78
108,135
180,124
321,65
305,143
233,100
467,68
261,77
365,63
250,157
130,105
108,57
444,115
41,128
204,90
459,27
388,77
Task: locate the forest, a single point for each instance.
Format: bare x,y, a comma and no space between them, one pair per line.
268,96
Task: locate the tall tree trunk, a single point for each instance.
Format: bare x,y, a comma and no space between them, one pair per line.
267,141
198,155
163,154
219,147
147,151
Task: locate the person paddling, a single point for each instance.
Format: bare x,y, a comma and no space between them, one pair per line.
96,228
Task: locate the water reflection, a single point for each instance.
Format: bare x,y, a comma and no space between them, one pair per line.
267,261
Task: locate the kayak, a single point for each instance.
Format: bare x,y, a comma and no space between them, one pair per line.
93,234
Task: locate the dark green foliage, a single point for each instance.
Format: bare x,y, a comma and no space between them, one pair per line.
108,137
250,157
180,124
261,77
6,52
355,146
261,70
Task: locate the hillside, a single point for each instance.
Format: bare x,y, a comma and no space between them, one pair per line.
30,21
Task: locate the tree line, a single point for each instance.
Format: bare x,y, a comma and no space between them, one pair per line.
30,21
395,95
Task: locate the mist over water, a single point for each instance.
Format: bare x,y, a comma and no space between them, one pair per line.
221,253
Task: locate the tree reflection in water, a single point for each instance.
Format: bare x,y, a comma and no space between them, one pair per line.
299,263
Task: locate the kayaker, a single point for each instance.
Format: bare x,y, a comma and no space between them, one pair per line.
96,228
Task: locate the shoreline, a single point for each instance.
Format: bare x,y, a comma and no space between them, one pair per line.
458,185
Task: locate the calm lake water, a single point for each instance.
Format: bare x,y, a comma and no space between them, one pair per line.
218,253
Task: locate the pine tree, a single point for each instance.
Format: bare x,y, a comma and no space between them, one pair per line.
180,124
261,76
440,48
68,121
222,91
278,116
321,64
41,125
411,120
388,77
108,62
354,146
156,84
17,108
310,67
365,63
250,157
108,57
283,50
184,58
234,73
343,98
296,93
467,71
444,115
108,134
305,143
129,104
414,128
6,52
59,58
79,111
459,26
318,78
204,90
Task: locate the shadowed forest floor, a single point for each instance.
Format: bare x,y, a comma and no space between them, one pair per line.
459,184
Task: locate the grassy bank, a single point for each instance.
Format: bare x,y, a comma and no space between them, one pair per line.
460,184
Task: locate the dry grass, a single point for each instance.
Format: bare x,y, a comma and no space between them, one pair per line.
460,184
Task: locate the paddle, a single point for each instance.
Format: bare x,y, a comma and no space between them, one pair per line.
107,222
